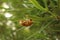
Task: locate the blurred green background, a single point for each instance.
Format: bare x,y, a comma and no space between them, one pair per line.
45,15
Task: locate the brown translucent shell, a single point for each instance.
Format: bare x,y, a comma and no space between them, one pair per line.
26,22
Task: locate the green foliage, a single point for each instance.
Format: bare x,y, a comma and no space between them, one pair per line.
45,15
